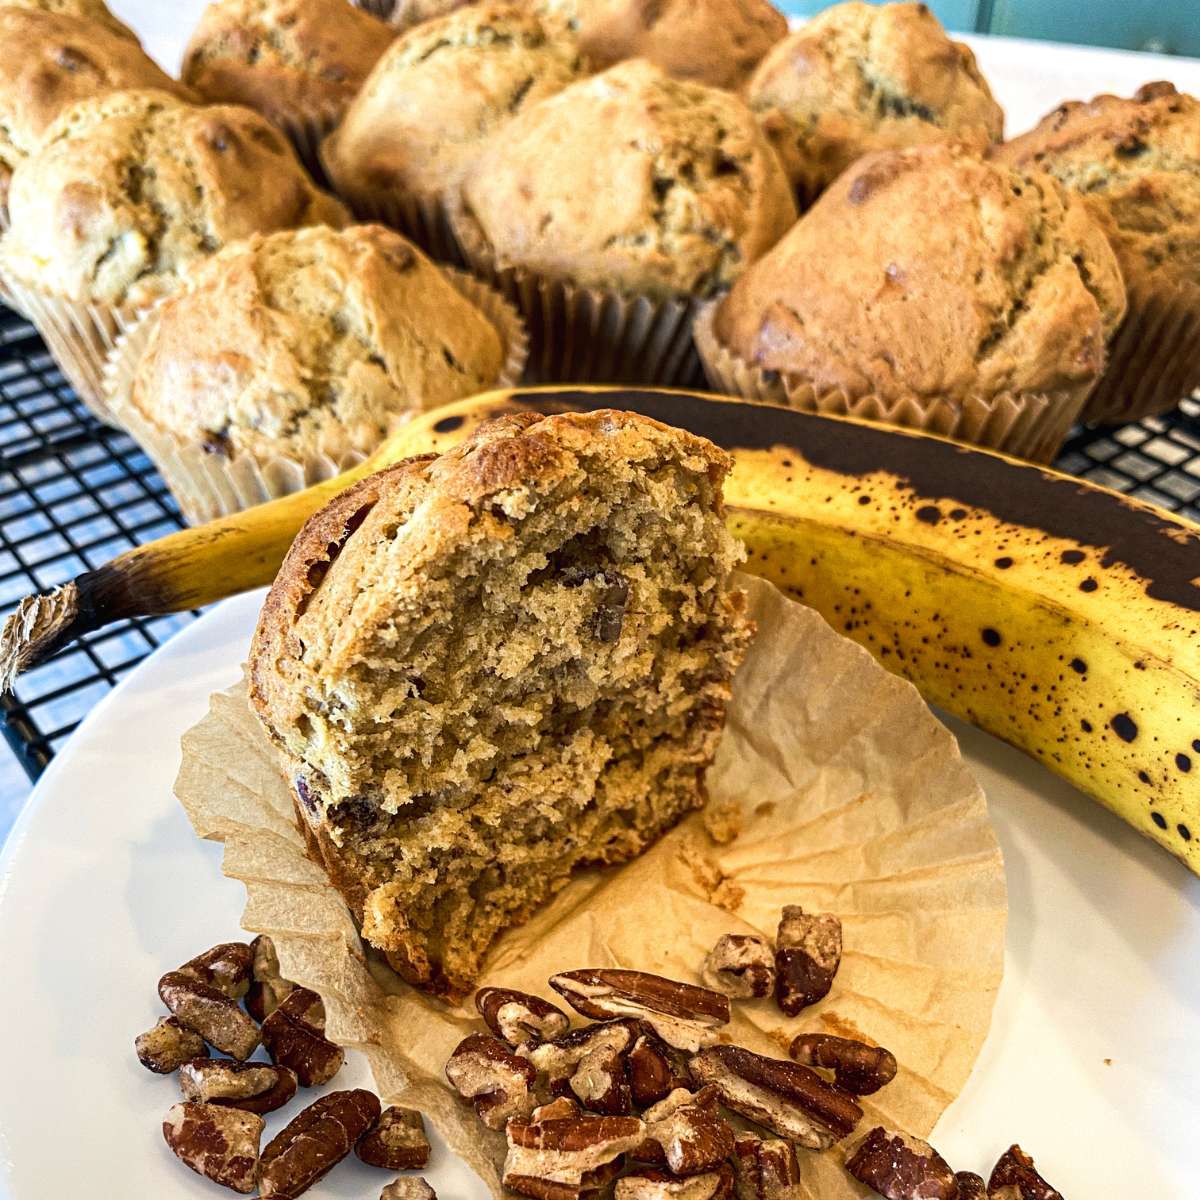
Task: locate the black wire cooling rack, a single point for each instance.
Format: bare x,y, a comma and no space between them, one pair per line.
74,493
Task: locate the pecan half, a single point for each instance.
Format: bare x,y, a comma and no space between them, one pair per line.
314,1142
788,1099
408,1187
268,988
764,1168
683,1015
652,1071
294,1035
252,1087
519,1018
219,1143
396,1142
590,1064
225,967
167,1046
970,1186
483,1069
691,1131
210,1013
566,1158
661,1185
901,1167
1015,1178
741,965
808,952
857,1067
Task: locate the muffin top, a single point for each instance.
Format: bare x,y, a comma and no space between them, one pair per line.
629,180
311,341
95,11
1137,164
49,62
128,189
281,57
863,77
929,272
439,92
717,42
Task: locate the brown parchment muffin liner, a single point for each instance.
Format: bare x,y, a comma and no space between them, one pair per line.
839,791
307,130
1025,425
377,8
80,336
208,485
1154,357
591,335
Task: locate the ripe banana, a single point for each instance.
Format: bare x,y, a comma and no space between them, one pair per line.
1056,615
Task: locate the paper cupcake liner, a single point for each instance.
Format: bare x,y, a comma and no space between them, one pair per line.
306,132
594,335
79,336
377,8
208,485
1154,358
1025,425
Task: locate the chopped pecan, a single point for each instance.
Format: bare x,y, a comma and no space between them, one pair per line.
857,1067
519,1018
294,1035
661,1185
970,1186
691,1131
408,1187
1015,1178
560,1106
901,1167
210,1013
590,1064
765,1168
314,1142
740,965
225,967
219,1143
565,1158
653,1071
252,1087
808,952
788,1099
683,1015
397,1142
268,988
167,1046
483,1069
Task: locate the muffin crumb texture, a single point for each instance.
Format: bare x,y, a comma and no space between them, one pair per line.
311,343
930,273
127,190
487,669
633,181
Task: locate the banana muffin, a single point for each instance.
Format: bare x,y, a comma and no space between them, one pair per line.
433,100
863,77
298,62
934,283
49,61
302,348
486,669
95,11
1136,163
125,192
718,42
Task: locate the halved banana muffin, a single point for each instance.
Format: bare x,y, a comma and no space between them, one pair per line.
486,669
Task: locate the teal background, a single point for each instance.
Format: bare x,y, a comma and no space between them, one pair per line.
1164,26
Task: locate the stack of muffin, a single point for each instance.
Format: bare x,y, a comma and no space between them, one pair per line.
827,219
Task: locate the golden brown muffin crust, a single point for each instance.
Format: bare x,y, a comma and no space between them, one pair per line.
311,342
928,272
439,93
284,57
50,61
95,11
129,189
1136,162
861,77
633,181
717,42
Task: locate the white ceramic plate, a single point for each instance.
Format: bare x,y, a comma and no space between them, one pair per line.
1093,1062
